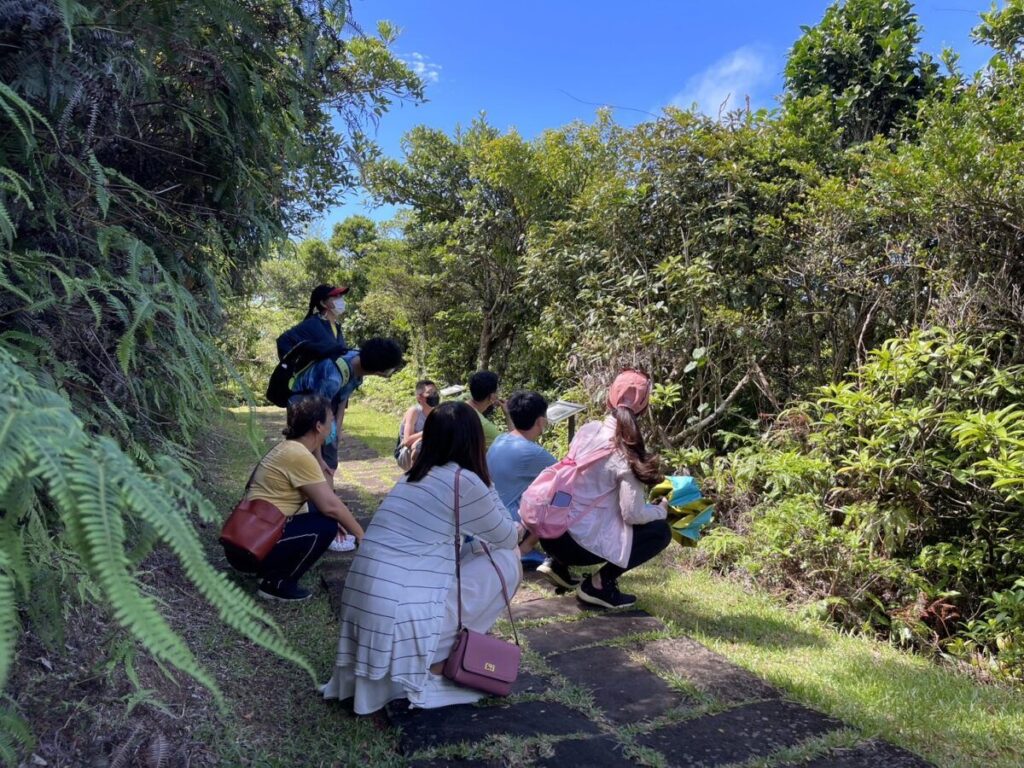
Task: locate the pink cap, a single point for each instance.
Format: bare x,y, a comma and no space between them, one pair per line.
631,389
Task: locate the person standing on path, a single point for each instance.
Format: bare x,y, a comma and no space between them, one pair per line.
399,609
321,331
515,459
483,398
287,477
621,530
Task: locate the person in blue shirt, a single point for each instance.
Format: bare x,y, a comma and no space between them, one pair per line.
515,459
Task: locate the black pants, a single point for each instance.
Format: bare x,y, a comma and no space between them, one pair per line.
648,540
305,538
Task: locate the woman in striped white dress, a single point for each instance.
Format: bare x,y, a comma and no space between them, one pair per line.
398,616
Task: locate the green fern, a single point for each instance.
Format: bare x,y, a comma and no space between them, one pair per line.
96,488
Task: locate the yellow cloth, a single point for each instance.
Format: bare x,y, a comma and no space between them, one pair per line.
284,470
490,431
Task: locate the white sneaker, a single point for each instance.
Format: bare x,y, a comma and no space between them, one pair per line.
343,542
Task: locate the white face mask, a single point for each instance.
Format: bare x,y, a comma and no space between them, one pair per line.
338,305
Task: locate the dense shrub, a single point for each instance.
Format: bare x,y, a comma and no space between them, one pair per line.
894,496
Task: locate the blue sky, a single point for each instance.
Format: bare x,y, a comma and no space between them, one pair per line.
533,65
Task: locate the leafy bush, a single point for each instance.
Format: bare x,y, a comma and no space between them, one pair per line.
895,495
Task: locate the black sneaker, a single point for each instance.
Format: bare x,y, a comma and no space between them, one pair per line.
558,574
285,592
606,597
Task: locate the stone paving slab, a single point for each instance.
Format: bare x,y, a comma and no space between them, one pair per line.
534,607
626,691
869,754
753,730
564,636
600,752
528,682
709,672
424,728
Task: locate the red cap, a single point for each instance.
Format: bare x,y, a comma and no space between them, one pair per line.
340,290
631,389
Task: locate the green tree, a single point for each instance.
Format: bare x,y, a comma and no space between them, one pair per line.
860,64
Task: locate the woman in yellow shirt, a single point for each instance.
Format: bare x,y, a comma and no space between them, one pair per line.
288,477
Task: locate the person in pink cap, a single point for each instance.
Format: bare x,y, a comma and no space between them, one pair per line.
621,530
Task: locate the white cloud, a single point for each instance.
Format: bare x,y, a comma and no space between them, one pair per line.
427,70
728,81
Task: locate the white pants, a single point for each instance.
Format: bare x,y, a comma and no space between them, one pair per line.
482,601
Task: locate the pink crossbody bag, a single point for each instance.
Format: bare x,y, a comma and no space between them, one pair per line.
484,662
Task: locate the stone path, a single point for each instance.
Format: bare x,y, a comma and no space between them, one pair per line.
608,689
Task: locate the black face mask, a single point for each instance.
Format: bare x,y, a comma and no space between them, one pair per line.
432,400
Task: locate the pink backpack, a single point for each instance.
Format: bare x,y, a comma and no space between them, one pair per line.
548,507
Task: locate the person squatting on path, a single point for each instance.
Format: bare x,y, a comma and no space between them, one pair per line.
399,606
289,476
622,530
515,459
410,431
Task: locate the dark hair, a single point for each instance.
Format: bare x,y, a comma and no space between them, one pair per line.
524,408
629,440
318,297
452,432
304,414
422,384
378,355
483,384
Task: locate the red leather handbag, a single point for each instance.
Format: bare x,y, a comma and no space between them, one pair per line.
254,525
484,662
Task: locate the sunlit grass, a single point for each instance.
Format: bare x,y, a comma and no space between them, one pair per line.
911,701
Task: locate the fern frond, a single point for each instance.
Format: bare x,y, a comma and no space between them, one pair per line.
9,623
14,732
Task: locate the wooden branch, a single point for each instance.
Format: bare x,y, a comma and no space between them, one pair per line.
695,429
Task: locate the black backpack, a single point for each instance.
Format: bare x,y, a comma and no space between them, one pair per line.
279,388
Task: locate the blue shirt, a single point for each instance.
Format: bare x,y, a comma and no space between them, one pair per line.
349,382
514,462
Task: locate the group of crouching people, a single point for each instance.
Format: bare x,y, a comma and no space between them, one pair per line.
399,615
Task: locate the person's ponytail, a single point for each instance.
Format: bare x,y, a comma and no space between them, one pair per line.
630,442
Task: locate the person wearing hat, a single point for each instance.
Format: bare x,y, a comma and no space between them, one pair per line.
621,530
322,324
321,332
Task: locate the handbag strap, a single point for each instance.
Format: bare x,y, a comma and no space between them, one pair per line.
458,565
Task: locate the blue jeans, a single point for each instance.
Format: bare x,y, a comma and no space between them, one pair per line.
304,539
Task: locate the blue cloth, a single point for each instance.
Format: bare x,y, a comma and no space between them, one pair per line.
350,383
316,331
514,462
335,380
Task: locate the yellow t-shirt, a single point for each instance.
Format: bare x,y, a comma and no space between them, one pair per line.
284,470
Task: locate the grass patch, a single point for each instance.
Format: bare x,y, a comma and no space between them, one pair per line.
947,716
378,430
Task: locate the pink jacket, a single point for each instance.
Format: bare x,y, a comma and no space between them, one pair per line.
607,530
